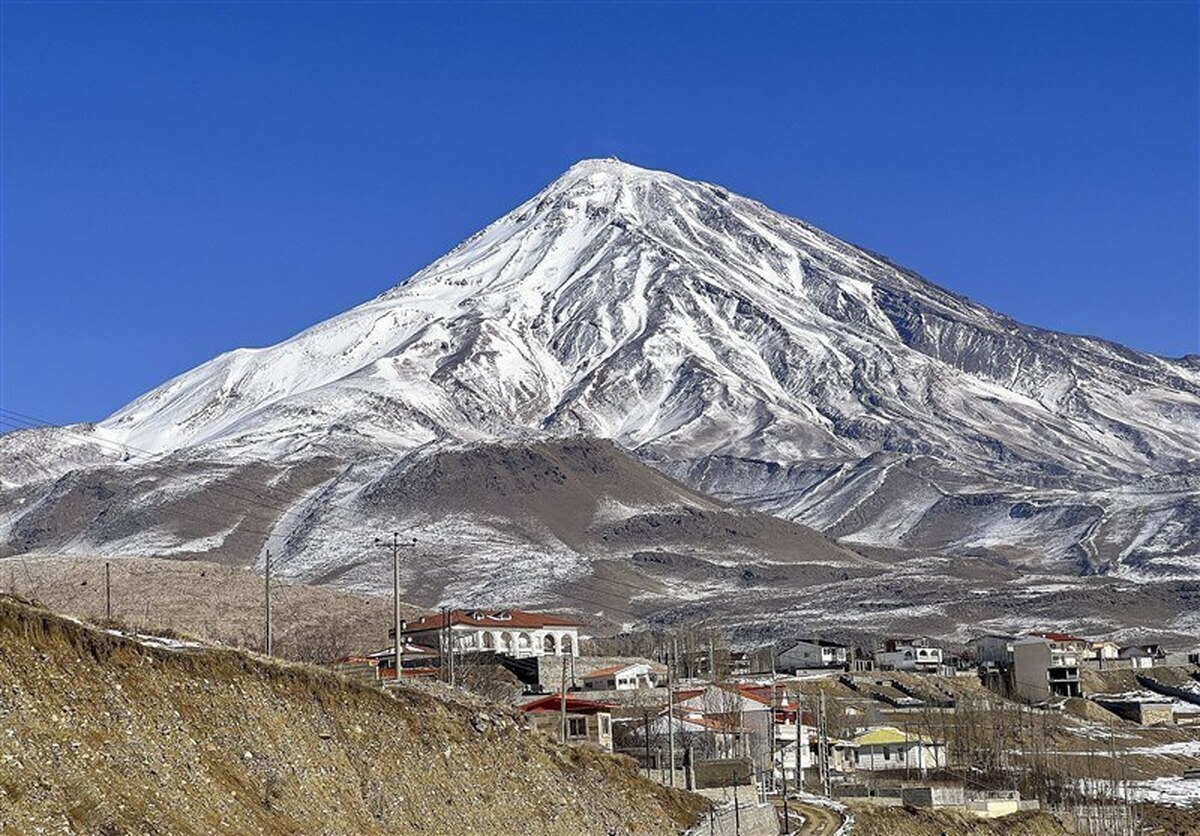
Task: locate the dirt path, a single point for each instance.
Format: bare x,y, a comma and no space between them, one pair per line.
816,821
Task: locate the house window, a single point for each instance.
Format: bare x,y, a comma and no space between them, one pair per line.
887,754
604,726
576,727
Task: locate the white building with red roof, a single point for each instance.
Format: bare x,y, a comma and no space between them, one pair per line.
511,632
629,676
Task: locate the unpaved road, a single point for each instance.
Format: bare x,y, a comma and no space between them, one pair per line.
817,821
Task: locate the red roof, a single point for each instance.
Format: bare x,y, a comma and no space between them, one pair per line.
759,693
722,722
575,705
1058,637
499,619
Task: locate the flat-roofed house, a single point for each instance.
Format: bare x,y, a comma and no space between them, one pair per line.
918,655
993,649
1046,665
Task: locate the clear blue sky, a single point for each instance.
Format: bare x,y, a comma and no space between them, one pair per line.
182,179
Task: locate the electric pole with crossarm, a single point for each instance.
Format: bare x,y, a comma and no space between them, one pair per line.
396,545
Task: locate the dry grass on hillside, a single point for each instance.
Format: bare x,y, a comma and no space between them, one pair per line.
213,602
889,821
103,735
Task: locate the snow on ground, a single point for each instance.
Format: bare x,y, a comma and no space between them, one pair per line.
1186,748
161,642
1178,792
152,542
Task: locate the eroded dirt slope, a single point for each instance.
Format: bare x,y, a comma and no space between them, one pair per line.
99,734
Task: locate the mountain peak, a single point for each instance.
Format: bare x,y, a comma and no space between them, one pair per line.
599,172
744,350
610,166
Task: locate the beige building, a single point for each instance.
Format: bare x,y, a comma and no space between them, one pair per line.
587,721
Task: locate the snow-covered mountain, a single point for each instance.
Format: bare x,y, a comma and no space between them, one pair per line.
747,354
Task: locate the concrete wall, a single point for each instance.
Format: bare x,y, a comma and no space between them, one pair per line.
1031,660
933,796
994,808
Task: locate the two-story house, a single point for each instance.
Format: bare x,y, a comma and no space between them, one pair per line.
509,632
807,654
1046,665
918,655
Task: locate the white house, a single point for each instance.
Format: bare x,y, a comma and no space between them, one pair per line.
888,748
812,653
1102,651
511,632
909,655
627,677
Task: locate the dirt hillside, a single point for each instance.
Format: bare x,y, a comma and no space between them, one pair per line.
889,821
103,735
218,603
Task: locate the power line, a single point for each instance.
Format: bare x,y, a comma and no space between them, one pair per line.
237,493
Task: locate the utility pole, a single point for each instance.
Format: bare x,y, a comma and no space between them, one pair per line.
787,822
443,664
450,643
397,625
737,808
823,750
562,704
771,738
646,733
671,715
107,593
268,636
